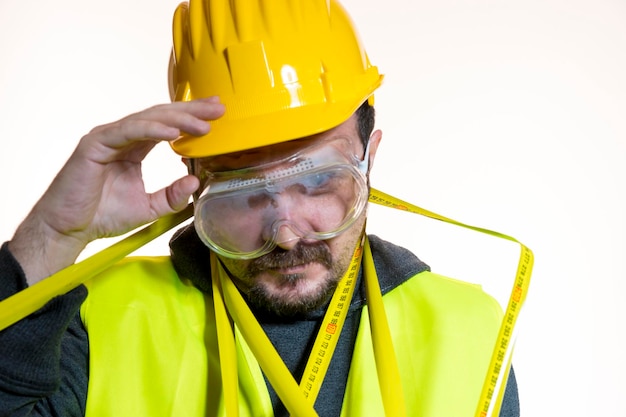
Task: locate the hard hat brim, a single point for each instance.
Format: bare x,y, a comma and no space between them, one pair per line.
229,135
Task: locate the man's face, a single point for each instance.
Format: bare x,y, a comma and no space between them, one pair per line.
298,275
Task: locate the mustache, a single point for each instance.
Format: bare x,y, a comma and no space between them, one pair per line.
302,253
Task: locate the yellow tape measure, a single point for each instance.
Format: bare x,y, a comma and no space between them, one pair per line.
503,349
389,380
31,299
330,330
272,364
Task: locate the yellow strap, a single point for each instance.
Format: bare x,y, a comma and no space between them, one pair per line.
300,403
269,360
387,369
325,343
31,299
503,348
226,344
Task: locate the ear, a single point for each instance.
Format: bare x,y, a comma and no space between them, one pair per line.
374,141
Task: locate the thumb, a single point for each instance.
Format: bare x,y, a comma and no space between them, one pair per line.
174,197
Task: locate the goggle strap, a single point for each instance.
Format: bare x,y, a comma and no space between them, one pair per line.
364,165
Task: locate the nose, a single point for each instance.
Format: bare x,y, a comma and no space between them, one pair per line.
286,237
284,222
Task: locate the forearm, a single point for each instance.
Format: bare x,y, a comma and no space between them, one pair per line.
40,351
40,250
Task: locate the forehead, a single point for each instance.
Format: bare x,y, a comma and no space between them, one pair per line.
253,157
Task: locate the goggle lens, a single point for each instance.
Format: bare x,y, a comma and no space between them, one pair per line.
314,195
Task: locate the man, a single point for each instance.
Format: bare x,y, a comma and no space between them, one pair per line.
273,116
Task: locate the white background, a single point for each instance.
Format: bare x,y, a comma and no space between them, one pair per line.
504,114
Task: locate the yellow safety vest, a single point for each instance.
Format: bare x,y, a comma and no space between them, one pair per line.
153,348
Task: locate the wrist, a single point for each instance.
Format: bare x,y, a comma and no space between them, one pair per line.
41,251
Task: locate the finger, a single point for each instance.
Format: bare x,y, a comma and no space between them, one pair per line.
181,120
189,117
158,122
175,197
204,109
122,133
213,104
184,115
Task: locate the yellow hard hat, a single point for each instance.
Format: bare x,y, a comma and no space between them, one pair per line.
284,69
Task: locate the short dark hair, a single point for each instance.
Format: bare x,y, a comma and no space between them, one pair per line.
365,121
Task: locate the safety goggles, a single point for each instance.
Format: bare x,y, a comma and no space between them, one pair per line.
314,194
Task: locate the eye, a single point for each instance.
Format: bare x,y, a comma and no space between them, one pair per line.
259,200
319,183
321,179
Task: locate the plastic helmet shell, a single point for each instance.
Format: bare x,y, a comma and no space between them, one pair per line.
283,69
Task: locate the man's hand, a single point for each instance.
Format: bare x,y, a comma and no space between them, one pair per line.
100,191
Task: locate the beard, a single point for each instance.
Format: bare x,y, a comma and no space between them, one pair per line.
286,300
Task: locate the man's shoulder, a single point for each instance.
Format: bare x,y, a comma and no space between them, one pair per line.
394,264
140,287
448,291
402,273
